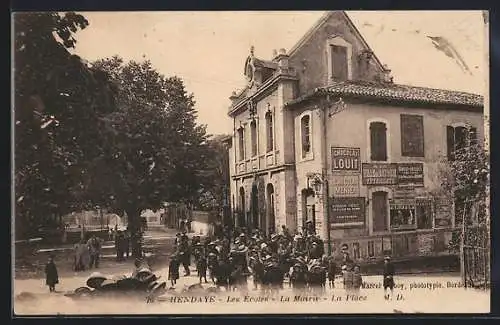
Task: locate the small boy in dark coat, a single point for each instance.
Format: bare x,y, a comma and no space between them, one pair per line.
173,269
388,277
201,266
332,271
51,276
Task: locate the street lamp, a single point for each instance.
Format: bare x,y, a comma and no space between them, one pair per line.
317,181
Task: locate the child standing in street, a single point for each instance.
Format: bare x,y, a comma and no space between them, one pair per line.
51,276
348,275
357,279
388,277
173,269
332,271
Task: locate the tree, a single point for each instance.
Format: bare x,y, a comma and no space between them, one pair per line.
58,104
154,148
215,178
465,180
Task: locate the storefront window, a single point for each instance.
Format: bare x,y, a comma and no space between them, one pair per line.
402,214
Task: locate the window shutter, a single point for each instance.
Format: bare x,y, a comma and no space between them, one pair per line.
450,142
339,62
412,135
383,142
378,139
373,142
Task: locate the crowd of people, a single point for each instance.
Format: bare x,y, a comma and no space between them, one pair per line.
231,256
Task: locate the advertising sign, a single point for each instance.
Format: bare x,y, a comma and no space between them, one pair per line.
411,174
346,159
379,174
345,185
444,213
347,211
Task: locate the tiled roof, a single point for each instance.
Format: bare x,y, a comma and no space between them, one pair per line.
395,92
265,64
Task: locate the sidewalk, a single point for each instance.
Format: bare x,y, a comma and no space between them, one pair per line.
416,300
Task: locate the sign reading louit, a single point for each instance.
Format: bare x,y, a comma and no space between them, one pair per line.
346,159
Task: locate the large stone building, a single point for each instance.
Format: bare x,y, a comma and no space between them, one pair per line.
327,119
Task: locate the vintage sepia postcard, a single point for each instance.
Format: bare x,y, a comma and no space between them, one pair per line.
250,162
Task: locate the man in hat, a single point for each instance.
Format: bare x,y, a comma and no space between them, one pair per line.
285,232
346,259
309,228
184,253
315,251
388,277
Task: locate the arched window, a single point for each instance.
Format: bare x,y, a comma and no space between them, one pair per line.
269,131
241,143
378,141
253,135
305,127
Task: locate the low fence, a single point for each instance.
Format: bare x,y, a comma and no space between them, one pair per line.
477,267
420,243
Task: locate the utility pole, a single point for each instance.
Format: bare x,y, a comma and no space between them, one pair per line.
327,212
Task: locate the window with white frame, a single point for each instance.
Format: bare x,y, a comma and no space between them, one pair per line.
305,130
253,136
269,131
339,59
241,143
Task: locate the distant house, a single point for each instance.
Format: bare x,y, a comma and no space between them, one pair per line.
328,122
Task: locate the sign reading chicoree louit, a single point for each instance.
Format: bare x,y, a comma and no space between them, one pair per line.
401,174
345,159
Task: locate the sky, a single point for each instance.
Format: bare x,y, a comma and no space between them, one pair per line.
208,49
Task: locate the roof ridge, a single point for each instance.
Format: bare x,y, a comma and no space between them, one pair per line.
395,85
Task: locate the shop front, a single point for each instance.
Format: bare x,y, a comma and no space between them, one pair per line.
397,216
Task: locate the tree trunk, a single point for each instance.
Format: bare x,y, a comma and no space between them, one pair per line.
134,226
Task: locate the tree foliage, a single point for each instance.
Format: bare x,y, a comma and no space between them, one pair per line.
58,101
215,178
155,148
466,181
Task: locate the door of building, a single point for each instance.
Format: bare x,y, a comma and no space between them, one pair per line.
379,211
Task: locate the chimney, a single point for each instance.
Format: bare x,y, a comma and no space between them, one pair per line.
386,75
282,59
233,97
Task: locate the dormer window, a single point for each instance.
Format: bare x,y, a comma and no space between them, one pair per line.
339,59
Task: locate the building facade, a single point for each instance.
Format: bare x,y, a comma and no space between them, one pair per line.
324,134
